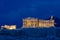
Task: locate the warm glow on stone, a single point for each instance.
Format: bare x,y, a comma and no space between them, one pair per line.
8,27
33,22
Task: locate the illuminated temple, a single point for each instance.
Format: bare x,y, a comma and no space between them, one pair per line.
37,23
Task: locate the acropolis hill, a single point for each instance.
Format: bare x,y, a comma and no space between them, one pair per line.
38,23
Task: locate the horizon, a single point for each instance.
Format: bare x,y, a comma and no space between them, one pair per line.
51,17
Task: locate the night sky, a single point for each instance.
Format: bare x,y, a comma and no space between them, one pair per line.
13,11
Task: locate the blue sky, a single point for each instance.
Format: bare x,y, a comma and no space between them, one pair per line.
13,11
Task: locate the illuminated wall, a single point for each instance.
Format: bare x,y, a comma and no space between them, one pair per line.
8,27
46,23
30,22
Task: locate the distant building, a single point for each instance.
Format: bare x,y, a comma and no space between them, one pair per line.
36,23
8,27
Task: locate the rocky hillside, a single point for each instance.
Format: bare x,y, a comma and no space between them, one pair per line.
31,34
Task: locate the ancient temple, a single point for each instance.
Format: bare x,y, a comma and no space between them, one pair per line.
37,23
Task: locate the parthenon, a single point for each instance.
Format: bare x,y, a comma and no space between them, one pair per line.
37,23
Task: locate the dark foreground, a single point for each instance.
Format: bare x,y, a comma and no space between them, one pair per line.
31,34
